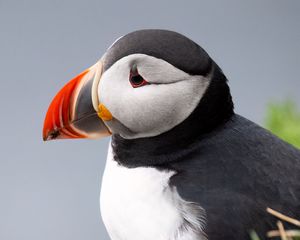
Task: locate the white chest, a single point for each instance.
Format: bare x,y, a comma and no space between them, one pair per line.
138,204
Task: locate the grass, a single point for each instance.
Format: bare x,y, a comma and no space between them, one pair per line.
281,231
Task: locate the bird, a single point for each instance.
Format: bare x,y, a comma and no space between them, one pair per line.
181,164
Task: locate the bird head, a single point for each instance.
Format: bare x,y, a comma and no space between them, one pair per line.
147,83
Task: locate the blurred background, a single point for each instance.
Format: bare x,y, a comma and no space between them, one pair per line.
51,190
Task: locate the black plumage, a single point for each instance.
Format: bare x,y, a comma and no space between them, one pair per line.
235,172
171,46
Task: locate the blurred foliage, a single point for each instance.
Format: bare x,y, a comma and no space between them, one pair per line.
283,119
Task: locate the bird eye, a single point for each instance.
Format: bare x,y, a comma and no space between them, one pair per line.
136,79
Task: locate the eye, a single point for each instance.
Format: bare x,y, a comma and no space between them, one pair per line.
136,79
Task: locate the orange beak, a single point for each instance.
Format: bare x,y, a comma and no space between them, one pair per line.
73,111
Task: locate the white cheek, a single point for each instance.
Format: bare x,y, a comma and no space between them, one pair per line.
155,108
114,88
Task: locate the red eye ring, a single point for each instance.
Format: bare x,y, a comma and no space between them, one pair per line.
136,80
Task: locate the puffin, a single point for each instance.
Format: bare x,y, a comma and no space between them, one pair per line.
181,164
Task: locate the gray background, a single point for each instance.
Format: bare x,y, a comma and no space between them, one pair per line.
51,190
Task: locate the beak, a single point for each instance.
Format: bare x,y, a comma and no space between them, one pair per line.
73,113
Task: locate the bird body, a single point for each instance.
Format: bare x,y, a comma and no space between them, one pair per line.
181,164
229,187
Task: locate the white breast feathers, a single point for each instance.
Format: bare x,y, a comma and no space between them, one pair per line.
139,204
